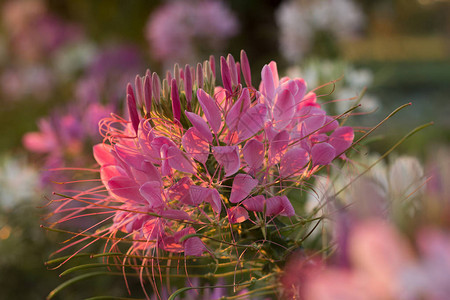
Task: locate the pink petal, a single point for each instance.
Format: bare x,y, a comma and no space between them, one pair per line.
237,214
322,154
145,140
329,124
252,121
151,172
178,160
198,194
301,89
125,187
175,214
290,85
288,209
308,111
243,184
279,205
309,100
210,109
255,203
40,143
180,191
239,107
253,154
228,157
195,145
278,146
283,109
268,88
102,154
342,138
152,192
194,247
313,124
273,68
200,125
293,161
166,170
158,142
130,156
214,200
109,171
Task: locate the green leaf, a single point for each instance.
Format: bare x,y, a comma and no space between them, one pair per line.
74,280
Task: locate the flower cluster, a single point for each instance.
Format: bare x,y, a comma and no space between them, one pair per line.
196,156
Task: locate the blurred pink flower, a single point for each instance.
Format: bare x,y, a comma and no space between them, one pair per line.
383,265
63,137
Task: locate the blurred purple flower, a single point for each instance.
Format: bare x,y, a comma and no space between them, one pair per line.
109,71
183,30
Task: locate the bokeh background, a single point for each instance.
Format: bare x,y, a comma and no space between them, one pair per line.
65,64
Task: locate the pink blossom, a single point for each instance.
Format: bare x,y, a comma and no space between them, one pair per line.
178,167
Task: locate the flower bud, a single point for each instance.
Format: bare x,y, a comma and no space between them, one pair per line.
246,69
156,84
176,104
199,76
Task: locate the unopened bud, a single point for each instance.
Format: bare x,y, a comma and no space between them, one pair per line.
176,104
188,83
226,76
199,76
148,93
156,85
246,69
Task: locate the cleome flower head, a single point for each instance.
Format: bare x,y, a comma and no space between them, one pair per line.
193,161
194,151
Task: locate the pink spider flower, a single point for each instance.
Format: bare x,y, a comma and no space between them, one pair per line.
194,156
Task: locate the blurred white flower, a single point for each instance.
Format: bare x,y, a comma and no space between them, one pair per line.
18,181
300,20
384,187
73,58
406,176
